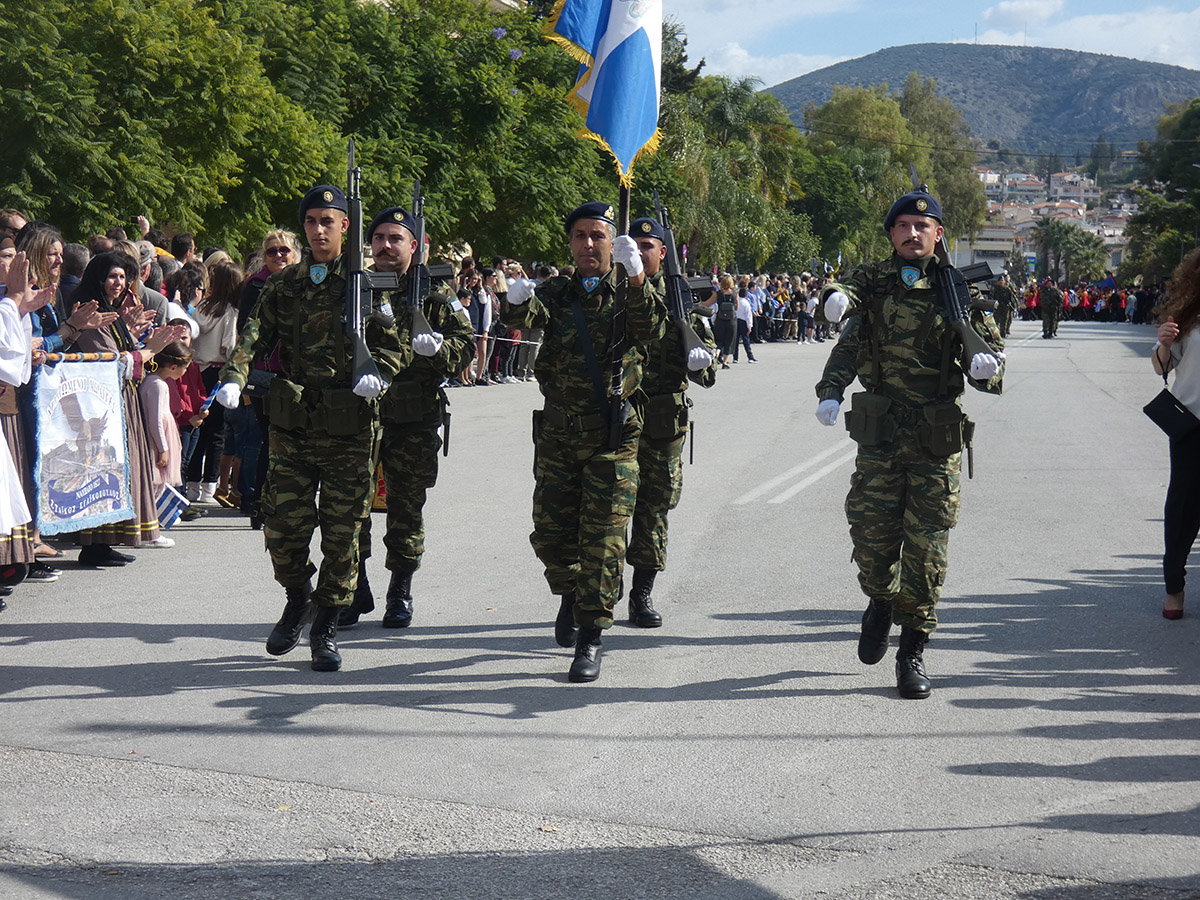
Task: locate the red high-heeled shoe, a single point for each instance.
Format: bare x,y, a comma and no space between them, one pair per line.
1174,614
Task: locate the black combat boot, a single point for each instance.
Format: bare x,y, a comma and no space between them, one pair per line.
911,680
586,666
399,610
641,612
565,629
286,634
364,600
876,628
322,639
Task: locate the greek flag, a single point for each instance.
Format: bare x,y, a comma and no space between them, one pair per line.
618,44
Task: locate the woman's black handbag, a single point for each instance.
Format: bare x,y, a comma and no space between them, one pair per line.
1170,415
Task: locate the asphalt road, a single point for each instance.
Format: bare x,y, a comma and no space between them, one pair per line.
150,748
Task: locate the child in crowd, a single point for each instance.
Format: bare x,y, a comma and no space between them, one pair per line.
165,445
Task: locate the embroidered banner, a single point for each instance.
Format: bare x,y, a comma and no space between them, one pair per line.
82,466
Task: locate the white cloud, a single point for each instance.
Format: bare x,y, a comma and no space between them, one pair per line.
735,61
1156,34
1020,13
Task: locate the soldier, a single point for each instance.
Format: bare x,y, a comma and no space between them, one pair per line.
584,492
1006,304
668,368
323,428
411,411
1051,300
909,426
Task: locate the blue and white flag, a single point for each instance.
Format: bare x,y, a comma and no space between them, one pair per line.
619,47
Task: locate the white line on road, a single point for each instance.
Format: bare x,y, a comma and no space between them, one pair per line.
813,478
767,486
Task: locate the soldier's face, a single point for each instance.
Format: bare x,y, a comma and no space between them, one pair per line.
392,248
591,247
915,237
653,252
324,229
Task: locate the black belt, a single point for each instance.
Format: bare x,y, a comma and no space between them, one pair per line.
584,422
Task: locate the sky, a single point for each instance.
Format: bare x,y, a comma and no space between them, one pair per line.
775,40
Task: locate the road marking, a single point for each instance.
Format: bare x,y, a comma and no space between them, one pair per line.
813,478
767,486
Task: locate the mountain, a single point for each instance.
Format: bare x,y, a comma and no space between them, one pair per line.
1032,99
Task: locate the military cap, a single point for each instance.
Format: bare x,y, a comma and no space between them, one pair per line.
647,227
394,215
323,196
917,203
592,210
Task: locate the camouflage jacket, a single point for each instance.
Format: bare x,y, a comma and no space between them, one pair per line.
415,396
1004,296
561,369
910,330
665,370
318,354
842,366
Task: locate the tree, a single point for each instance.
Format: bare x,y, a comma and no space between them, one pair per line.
1084,255
938,123
675,76
1050,237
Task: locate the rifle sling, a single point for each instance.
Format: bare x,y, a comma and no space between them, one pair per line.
589,356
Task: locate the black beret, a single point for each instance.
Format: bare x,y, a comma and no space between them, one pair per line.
593,210
394,215
917,203
323,196
647,227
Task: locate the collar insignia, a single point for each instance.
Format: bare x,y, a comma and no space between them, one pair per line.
910,275
317,272
589,284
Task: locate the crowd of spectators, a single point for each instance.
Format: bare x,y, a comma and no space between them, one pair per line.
1098,302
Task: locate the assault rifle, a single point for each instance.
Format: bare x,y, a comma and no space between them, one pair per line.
679,291
418,271
360,284
953,287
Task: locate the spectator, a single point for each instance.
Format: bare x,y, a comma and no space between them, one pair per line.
745,324
11,222
183,246
216,315
161,428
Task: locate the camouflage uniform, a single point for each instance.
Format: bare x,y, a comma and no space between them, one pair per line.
903,498
1051,299
584,493
410,412
322,436
1006,304
665,379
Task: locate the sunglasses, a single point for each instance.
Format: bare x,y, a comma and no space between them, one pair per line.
279,251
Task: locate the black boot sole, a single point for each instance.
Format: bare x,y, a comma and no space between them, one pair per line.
645,622
325,664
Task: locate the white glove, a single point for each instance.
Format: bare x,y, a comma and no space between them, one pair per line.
229,395
625,251
985,366
835,306
520,290
369,386
698,359
827,412
427,344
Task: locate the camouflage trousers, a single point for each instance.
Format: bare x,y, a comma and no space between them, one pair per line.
583,497
410,468
660,483
901,507
341,470
1050,317
1004,319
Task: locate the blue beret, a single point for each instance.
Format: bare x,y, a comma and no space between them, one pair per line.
647,227
323,196
918,203
394,215
593,210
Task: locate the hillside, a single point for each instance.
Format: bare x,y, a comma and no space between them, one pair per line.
1030,98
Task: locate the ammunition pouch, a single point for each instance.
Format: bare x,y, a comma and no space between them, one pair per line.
870,422
285,405
944,428
666,416
404,403
342,413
